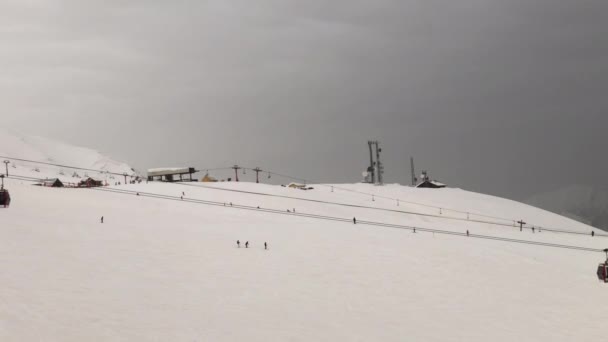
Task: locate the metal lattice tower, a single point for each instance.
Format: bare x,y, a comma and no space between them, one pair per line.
379,166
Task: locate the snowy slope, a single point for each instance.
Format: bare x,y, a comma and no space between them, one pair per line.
16,145
584,203
166,269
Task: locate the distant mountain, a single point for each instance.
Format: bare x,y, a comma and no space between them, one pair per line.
18,148
579,202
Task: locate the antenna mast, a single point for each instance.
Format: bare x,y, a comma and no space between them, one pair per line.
413,171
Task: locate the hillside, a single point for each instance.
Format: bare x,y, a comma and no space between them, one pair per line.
582,203
16,145
164,265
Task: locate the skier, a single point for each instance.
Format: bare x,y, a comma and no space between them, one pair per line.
532,230
288,211
247,244
265,245
183,193
354,220
258,207
414,230
238,244
467,233
102,219
182,197
592,233
294,210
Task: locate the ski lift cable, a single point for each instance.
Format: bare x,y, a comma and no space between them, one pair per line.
305,181
372,223
378,209
348,220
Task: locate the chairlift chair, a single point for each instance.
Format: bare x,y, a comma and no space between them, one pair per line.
602,269
5,196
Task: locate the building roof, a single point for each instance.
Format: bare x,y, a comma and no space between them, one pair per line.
431,183
170,171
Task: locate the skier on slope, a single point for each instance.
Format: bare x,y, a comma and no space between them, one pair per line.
592,233
354,220
238,244
265,245
467,233
247,244
102,219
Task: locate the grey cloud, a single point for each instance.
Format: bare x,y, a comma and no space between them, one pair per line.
504,97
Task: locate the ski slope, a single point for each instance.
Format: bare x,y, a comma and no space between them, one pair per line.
163,268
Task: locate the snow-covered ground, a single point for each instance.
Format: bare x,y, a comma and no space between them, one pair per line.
166,269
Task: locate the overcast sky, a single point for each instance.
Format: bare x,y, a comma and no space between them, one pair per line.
507,97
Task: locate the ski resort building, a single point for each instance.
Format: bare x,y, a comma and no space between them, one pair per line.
171,174
90,183
52,183
426,182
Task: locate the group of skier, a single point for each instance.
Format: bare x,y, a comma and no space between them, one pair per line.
238,244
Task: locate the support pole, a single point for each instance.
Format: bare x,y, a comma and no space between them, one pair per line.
257,174
236,169
413,171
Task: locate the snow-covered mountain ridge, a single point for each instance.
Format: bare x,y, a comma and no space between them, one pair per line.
20,146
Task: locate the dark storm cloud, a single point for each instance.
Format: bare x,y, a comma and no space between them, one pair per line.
504,97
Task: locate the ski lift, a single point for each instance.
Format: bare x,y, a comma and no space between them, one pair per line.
5,196
602,269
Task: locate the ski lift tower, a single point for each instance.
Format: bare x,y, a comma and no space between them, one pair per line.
372,165
379,166
375,171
